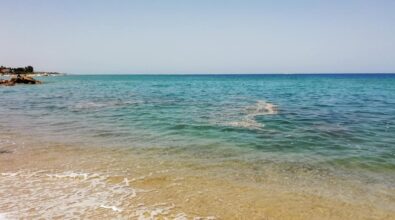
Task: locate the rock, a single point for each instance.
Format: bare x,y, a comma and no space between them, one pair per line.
5,152
19,80
6,83
24,80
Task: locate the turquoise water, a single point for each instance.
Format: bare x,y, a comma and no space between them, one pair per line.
337,121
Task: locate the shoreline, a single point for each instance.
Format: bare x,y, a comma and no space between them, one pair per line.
168,187
37,74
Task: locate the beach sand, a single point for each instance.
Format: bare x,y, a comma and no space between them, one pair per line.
57,181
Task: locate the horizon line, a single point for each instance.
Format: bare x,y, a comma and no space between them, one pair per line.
297,73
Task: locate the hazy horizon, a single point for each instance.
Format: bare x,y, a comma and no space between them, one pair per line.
199,37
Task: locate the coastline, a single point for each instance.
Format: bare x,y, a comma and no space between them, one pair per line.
199,110
24,78
119,183
36,74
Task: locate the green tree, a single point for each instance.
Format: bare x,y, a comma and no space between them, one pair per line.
19,70
29,69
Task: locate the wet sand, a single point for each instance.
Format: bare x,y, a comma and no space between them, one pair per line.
57,181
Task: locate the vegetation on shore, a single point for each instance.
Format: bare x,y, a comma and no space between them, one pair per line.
19,75
28,70
16,71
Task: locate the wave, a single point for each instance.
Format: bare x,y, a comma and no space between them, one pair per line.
75,192
71,195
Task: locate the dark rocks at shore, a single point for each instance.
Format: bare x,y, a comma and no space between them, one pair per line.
5,152
19,80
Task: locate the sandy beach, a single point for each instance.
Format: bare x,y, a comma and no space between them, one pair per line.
57,181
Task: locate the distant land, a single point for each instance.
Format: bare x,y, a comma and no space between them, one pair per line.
28,70
22,75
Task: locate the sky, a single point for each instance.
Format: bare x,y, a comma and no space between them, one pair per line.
199,36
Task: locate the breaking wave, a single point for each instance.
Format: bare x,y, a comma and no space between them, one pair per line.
70,195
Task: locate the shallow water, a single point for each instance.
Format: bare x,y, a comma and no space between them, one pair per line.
210,147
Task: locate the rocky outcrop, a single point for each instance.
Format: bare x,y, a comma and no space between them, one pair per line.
5,151
19,80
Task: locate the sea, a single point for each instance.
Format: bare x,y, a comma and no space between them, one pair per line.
255,146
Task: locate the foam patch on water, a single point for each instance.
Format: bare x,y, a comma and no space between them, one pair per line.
251,112
113,208
262,108
67,194
10,174
205,218
3,216
83,176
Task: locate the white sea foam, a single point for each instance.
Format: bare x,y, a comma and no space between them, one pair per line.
3,216
114,208
126,181
251,112
205,218
262,108
10,174
72,194
68,194
181,216
71,175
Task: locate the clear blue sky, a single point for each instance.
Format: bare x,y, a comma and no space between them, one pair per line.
202,36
